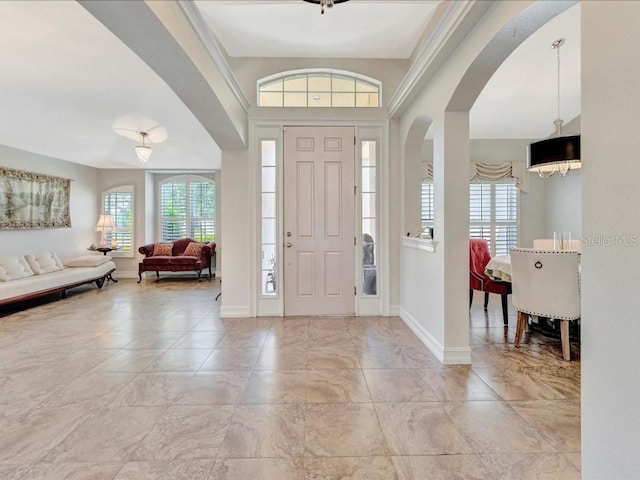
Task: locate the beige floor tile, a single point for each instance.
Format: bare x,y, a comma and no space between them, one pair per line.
440,467
558,421
108,436
530,467
494,427
396,356
337,430
420,429
275,386
27,438
287,357
91,389
185,432
166,470
337,386
180,360
574,459
259,468
352,468
208,340
214,388
332,358
400,385
82,351
265,431
150,389
128,361
73,471
458,383
230,359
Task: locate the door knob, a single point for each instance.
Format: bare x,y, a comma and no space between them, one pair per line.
288,244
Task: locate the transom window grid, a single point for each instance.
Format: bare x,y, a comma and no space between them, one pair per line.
119,203
269,251
188,209
318,89
369,217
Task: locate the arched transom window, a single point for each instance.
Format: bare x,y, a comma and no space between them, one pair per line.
318,88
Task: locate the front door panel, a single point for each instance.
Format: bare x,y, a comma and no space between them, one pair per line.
319,219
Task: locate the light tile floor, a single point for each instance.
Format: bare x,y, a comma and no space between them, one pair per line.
147,382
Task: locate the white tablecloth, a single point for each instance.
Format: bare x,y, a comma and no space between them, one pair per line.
499,268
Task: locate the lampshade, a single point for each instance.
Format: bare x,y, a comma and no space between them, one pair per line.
143,152
554,154
105,224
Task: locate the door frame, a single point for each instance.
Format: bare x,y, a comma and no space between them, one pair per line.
273,129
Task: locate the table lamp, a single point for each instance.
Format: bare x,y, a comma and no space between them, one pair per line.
105,224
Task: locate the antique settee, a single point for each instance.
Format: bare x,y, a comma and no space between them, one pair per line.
183,255
25,277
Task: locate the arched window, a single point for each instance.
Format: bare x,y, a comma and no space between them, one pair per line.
188,208
118,202
318,88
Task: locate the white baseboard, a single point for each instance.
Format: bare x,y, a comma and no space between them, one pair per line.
125,274
394,310
446,356
234,312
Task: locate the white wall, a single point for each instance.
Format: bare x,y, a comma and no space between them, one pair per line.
610,302
563,208
237,224
66,242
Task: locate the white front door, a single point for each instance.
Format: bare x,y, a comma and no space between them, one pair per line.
319,221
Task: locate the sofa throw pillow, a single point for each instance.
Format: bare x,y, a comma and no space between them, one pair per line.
193,249
13,268
45,262
88,261
162,249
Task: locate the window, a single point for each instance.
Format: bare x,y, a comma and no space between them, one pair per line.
188,209
426,202
493,215
119,203
318,88
369,217
269,220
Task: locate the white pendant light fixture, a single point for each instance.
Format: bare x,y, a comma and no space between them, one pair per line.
143,152
557,154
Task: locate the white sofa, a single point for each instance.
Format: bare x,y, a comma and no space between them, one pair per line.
29,276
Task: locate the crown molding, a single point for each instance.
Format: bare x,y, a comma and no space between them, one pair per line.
430,56
215,50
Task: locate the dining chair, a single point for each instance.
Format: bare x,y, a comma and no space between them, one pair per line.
479,256
546,284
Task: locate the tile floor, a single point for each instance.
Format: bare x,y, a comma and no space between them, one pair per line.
147,382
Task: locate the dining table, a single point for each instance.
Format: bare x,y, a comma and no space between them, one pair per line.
499,268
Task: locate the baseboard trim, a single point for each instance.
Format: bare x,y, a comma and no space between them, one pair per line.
394,310
446,356
125,274
234,312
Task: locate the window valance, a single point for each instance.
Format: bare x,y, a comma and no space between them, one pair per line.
490,172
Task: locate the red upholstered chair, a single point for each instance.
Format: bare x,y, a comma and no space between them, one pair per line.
479,256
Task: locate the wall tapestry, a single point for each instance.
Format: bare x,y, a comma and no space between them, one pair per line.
32,200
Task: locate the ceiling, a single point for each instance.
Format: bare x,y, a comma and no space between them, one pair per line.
67,81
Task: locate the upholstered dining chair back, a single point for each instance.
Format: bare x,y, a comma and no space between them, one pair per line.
546,283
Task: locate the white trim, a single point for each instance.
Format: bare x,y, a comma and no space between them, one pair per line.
420,244
118,274
215,50
234,312
394,310
446,356
425,59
